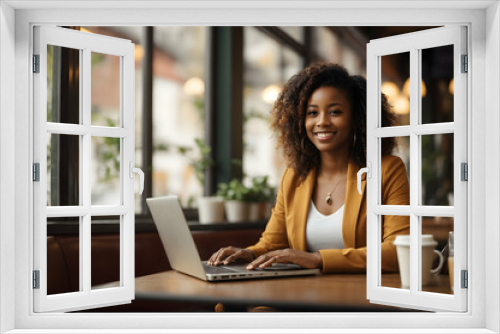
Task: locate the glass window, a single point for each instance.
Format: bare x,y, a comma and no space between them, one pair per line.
329,49
437,132
178,109
297,33
178,104
396,85
105,102
267,66
329,44
87,151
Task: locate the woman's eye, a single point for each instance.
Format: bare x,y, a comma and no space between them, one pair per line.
312,112
335,112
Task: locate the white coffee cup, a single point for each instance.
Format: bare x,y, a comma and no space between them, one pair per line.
402,243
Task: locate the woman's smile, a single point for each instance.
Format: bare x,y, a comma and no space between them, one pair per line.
328,120
325,135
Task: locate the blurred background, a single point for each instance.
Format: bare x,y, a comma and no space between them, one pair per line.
213,87
203,97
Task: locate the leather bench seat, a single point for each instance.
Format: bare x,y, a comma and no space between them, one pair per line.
63,262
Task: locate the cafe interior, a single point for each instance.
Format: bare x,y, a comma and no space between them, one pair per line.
203,97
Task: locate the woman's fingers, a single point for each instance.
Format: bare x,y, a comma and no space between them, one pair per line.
303,259
223,255
267,260
212,258
215,257
239,254
261,259
274,259
230,258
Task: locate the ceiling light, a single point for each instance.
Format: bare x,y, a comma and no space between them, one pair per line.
194,86
270,93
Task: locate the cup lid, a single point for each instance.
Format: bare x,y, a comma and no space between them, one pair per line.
404,240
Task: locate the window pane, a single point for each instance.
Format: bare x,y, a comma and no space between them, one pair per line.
401,148
437,169
63,85
267,65
63,170
329,44
297,33
395,85
105,171
395,270
178,110
64,262
135,35
437,87
105,254
105,89
436,232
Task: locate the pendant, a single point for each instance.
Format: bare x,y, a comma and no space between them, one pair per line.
328,199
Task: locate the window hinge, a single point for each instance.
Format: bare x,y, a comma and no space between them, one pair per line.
36,172
464,171
465,279
36,279
465,64
36,63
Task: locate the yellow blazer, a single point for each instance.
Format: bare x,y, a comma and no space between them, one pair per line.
287,226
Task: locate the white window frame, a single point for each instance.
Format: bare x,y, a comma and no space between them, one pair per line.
85,43
413,43
483,21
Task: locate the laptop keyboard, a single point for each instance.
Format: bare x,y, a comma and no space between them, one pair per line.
218,270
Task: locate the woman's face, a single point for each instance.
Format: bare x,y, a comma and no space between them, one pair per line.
329,119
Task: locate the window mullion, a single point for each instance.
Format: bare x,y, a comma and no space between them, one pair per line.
373,273
147,115
308,44
85,228
419,129
414,170
227,102
283,38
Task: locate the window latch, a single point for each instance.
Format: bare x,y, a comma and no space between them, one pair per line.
136,170
368,171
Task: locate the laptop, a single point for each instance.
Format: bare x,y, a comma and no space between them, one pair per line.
184,257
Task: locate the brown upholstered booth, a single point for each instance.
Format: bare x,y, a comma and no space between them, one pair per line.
150,258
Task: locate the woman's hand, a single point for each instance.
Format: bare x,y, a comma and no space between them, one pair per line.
230,254
304,259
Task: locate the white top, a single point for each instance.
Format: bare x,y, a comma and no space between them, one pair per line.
324,232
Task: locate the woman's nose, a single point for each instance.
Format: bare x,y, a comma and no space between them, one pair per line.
324,119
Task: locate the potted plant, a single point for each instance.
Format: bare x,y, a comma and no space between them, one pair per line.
261,196
235,196
210,208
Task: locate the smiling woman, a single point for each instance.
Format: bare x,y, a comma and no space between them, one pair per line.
329,119
319,220
482,139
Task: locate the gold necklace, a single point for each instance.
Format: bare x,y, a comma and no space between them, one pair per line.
328,199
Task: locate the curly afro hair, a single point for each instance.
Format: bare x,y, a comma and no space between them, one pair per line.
289,112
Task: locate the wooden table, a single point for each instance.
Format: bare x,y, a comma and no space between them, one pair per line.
332,293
